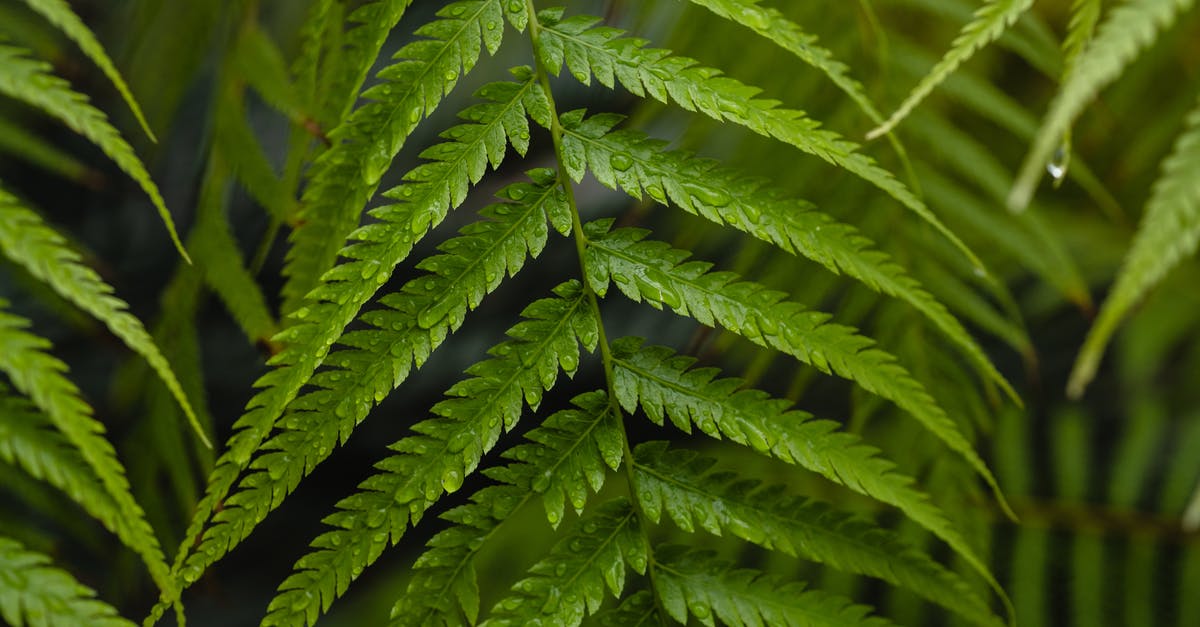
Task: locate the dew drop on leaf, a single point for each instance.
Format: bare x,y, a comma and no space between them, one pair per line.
698,610
656,192
452,480
515,6
621,161
1057,167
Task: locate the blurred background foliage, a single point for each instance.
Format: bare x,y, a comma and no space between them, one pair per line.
1100,485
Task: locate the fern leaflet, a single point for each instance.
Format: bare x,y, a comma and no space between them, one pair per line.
445,450
40,376
630,161
662,384
34,593
1169,233
699,584
571,579
60,13
1130,27
345,176
28,440
682,484
637,610
655,272
569,453
586,49
31,81
989,21
30,242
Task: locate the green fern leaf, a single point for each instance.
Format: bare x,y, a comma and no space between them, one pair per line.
28,440
346,176
699,584
30,242
438,459
989,21
32,82
418,319
261,62
60,13
683,484
568,454
773,25
637,610
569,463
1130,27
40,376
655,272
570,581
1169,234
612,58
220,260
373,22
661,383
628,160
428,194
34,593
18,142
236,144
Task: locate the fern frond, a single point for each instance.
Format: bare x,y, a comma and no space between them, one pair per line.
661,383
361,44
568,454
637,610
770,24
236,144
1169,233
429,192
587,49
60,14
31,81
655,272
35,593
989,21
1129,28
628,160
444,451
39,375
345,177
1085,14
418,319
31,243
683,484
220,260
261,63
699,584
29,441
569,583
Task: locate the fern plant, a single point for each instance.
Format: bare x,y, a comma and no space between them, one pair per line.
826,416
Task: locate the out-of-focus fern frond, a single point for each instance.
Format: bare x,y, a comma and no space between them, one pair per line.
34,593
1168,234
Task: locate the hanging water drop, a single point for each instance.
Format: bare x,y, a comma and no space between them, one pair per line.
1057,167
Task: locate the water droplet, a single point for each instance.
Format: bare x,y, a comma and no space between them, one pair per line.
369,268
699,611
656,192
638,563
457,11
515,6
589,527
302,313
621,161
452,480
708,196
1057,167
414,116
553,517
451,75
560,570
490,25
